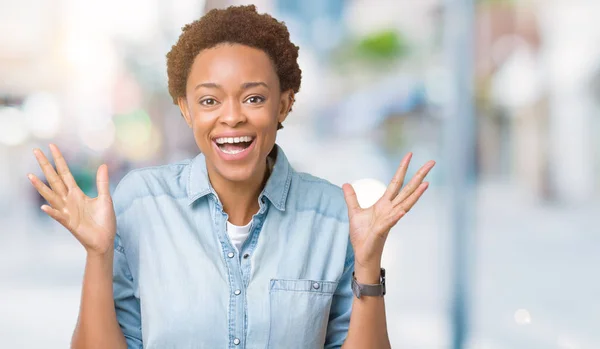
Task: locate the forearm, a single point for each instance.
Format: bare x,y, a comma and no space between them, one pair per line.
97,325
368,328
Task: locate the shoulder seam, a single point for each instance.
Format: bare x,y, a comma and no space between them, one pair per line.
144,169
310,178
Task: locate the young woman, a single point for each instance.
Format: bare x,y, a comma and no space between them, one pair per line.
233,248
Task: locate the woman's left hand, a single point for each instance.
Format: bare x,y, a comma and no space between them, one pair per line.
369,227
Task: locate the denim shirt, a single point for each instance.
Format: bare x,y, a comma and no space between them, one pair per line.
179,282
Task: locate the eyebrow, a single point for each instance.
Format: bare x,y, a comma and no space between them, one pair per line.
245,85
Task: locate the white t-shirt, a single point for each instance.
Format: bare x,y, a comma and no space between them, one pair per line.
238,234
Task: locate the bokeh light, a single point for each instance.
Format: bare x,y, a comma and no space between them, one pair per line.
522,317
43,115
99,138
368,191
13,129
137,138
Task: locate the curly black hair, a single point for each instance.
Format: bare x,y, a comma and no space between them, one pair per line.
235,24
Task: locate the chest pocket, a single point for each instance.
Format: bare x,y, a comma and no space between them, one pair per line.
299,313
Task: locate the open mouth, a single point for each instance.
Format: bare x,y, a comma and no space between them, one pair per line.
234,145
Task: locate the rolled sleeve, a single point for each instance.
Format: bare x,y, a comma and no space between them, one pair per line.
127,306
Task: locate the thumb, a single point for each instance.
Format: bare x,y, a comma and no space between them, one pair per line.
350,197
102,181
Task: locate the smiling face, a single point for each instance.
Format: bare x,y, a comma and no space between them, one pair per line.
233,104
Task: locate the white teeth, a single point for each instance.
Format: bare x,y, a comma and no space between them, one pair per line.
232,140
232,151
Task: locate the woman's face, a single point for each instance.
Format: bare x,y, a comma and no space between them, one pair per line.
233,104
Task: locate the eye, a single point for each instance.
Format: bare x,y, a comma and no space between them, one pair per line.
209,102
255,99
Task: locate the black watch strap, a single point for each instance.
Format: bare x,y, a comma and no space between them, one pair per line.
375,290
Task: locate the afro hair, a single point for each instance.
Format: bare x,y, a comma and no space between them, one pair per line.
239,25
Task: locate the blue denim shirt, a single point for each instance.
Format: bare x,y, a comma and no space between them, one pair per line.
179,282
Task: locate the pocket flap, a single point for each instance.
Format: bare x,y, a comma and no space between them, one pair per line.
317,286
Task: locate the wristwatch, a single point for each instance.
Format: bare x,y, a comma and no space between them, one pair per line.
369,290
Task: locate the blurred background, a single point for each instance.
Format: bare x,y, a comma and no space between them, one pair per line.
500,253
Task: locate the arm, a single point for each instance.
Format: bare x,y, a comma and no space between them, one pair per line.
97,325
369,228
356,323
91,221
368,328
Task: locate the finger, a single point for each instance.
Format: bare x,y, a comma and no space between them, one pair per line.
62,167
398,179
350,197
414,183
56,215
408,204
102,182
54,180
45,192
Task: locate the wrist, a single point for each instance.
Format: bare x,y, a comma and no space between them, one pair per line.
367,274
100,256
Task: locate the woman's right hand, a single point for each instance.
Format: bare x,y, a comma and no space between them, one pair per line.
91,220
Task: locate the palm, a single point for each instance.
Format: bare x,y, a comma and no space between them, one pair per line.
369,227
91,220
362,222
367,220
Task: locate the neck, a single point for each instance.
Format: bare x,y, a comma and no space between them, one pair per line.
239,199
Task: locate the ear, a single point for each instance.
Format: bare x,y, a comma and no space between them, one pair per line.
285,105
185,110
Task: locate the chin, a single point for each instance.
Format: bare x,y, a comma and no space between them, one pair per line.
239,173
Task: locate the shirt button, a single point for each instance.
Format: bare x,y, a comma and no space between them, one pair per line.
246,256
236,341
230,254
237,292
316,285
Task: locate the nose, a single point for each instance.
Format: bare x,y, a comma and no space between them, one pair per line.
232,114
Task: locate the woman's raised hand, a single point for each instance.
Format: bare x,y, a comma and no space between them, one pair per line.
369,227
91,220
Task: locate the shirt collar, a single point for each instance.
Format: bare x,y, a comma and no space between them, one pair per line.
276,189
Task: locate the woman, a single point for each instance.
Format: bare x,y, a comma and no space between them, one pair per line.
234,248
